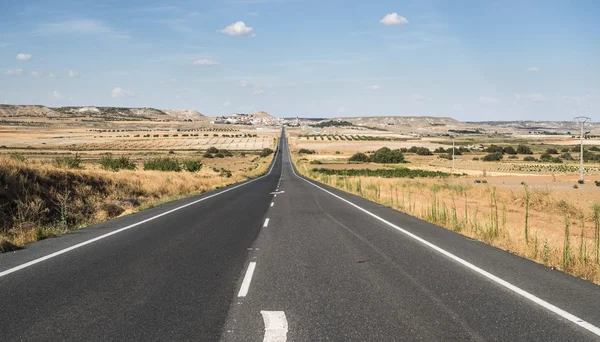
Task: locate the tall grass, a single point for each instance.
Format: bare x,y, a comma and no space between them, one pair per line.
490,214
42,200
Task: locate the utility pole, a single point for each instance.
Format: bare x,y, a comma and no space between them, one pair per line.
582,120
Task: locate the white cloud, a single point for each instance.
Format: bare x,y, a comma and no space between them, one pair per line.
533,69
457,107
243,83
79,26
74,73
206,62
239,29
56,95
374,87
531,97
52,75
226,104
258,91
580,100
35,74
120,92
393,19
487,99
24,57
14,72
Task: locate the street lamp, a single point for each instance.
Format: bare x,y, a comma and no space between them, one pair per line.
582,120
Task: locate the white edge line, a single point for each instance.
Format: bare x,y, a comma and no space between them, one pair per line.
564,314
87,242
276,326
247,279
266,223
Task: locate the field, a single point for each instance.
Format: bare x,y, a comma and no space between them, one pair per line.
66,174
537,209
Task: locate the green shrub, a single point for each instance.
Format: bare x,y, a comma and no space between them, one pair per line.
68,162
529,159
115,164
509,150
219,155
306,151
207,155
566,156
439,150
566,149
422,151
446,156
316,161
192,165
523,149
475,158
552,151
359,157
386,156
162,164
385,173
225,173
212,149
226,153
266,152
171,152
580,181
512,156
496,156
494,149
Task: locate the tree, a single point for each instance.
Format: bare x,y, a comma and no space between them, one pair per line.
510,150
496,156
385,155
524,149
359,157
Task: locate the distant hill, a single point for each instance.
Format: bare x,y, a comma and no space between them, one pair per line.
409,121
99,113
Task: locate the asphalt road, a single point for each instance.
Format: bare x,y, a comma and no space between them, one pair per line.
283,258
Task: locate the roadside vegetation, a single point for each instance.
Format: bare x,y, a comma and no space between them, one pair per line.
44,198
533,222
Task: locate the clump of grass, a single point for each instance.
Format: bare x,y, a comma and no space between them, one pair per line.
192,165
306,151
68,162
115,164
162,164
18,157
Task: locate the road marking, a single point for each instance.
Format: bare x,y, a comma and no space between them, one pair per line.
272,203
276,326
266,223
87,242
550,307
247,279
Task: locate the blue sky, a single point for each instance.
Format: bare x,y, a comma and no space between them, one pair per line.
471,60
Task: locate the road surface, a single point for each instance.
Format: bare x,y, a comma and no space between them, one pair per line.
282,258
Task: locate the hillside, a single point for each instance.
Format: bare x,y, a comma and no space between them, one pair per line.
99,113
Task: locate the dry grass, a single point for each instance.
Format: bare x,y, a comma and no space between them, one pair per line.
39,200
562,232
